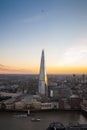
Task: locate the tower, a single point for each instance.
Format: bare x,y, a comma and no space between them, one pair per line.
42,86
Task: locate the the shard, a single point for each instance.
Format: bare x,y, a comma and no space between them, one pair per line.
43,86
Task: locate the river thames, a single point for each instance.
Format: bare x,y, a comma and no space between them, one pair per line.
10,120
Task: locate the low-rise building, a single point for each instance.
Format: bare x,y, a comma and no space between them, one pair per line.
64,104
20,105
28,101
36,104
9,104
49,105
74,102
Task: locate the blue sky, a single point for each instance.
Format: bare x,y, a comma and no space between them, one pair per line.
28,26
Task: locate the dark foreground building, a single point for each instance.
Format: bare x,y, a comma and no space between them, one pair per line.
56,126
77,127
60,126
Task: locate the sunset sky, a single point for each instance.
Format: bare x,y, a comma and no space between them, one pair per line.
57,26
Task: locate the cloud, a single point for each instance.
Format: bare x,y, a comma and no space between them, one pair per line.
3,67
76,54
35,17
7,69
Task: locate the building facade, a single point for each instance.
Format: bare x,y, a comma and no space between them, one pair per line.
43,85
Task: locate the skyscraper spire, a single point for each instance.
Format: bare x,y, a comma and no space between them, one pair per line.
42,87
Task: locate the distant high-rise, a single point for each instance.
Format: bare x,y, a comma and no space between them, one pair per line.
43,86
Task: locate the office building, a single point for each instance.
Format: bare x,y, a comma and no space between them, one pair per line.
43,85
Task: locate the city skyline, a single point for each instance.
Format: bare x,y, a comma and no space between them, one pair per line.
57,26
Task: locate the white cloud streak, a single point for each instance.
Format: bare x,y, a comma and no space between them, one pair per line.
35,18
76,54
9,69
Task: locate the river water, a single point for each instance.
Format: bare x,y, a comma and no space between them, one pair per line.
9,120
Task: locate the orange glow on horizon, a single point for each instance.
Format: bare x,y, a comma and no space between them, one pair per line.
67,70
35,70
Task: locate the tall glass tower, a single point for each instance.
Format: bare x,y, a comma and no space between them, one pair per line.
43,85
